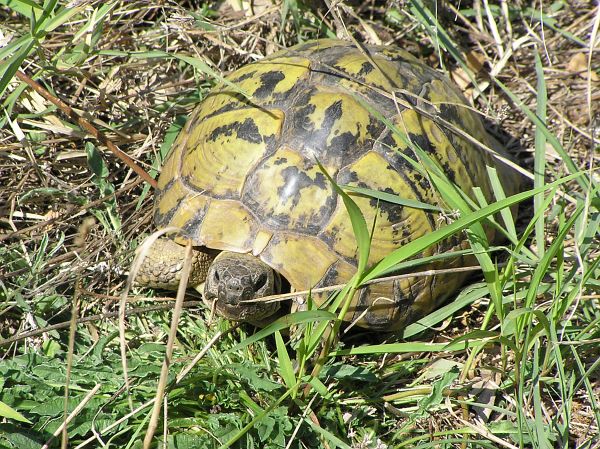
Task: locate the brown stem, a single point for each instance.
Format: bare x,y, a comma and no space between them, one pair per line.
83,123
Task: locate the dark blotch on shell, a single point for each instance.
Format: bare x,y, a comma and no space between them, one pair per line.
422,142
393,211
246,130
343,143
332,114
268,83
365,69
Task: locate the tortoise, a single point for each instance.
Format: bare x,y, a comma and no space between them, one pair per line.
243,180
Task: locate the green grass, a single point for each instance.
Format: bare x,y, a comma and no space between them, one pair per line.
512,361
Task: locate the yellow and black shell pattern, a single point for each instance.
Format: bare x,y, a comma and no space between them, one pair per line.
243,174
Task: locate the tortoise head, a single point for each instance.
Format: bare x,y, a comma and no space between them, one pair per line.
234,279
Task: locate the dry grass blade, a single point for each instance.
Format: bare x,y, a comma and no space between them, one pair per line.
72,415
332,288
593,47
135,267
164,373
115,424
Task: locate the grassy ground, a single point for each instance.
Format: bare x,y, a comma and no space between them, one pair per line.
517,365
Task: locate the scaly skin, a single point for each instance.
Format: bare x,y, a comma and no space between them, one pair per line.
233,279
230,278
162,266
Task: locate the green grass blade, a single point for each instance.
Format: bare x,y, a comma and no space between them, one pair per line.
587,374
466,297
359,225
415,263
10,49
588,227
254,420
507,217
10,413
284,323
328,435
400,348
24,7
540,153
520,250
590,273
571,166
544,264
62,17
391,198
540,429
439,36
421,243
555,358
286,370
37,23
547,18
205,68
14,63
481,336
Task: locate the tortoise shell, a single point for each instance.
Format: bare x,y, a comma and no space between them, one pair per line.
243,174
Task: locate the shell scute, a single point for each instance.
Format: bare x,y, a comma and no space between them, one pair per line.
267,82
289,191
327,125
393,224
290,254
380,74
236,233
222,149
